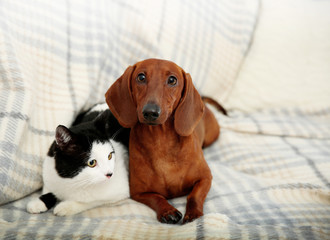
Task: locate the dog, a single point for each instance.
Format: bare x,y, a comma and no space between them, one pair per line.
170,125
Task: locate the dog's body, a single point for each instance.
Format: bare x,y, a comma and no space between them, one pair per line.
169,126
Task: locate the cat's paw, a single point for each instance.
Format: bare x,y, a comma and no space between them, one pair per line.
67,208
36,206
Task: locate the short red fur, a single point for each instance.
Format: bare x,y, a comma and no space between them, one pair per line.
165,148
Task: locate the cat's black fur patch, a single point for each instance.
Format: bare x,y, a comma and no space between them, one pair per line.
49,200
99,126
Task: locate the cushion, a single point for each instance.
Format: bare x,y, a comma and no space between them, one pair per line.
288,63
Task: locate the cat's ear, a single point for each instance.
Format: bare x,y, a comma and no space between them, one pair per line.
63,136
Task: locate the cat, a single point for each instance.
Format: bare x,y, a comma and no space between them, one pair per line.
86,166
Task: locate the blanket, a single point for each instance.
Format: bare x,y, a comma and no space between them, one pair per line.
59,58
270,167
270,180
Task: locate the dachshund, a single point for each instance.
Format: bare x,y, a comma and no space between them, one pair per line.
170,125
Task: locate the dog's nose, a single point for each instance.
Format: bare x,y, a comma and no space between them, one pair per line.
151,112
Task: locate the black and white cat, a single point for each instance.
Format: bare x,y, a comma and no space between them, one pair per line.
86,166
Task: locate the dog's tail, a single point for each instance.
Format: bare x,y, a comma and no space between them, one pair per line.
215,104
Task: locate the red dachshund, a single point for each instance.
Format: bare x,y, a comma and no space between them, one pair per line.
169,126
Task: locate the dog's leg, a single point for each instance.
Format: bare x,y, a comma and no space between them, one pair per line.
195,200
166,213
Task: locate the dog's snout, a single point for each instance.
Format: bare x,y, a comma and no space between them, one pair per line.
151,112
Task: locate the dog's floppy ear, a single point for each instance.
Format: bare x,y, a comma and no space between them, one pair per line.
120,101
190,109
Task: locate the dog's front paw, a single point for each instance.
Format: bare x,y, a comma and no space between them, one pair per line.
191,216
171,216
67,208
36,206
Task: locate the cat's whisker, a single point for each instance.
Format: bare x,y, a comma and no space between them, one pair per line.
82,183
116,133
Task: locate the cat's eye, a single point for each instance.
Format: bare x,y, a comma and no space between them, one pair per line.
110,155
91,163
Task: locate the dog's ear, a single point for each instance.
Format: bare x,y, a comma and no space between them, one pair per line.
120,101
190,109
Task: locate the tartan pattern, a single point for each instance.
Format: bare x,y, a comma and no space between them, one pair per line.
270,168
264,186
58,58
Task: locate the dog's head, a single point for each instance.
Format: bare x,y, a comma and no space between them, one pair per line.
152,91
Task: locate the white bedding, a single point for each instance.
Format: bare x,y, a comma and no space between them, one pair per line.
288,64
270,167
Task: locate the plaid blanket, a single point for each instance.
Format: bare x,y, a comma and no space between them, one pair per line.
271,180
270,168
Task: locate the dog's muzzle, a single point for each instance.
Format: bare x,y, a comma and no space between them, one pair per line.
151,113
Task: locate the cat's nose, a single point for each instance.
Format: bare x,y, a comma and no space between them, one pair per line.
108,175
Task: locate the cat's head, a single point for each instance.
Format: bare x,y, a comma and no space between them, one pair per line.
79,156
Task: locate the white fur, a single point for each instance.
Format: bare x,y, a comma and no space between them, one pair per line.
36,206
91,187
65,137
99,108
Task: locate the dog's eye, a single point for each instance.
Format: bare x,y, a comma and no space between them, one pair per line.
172,80
141,78
91,163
